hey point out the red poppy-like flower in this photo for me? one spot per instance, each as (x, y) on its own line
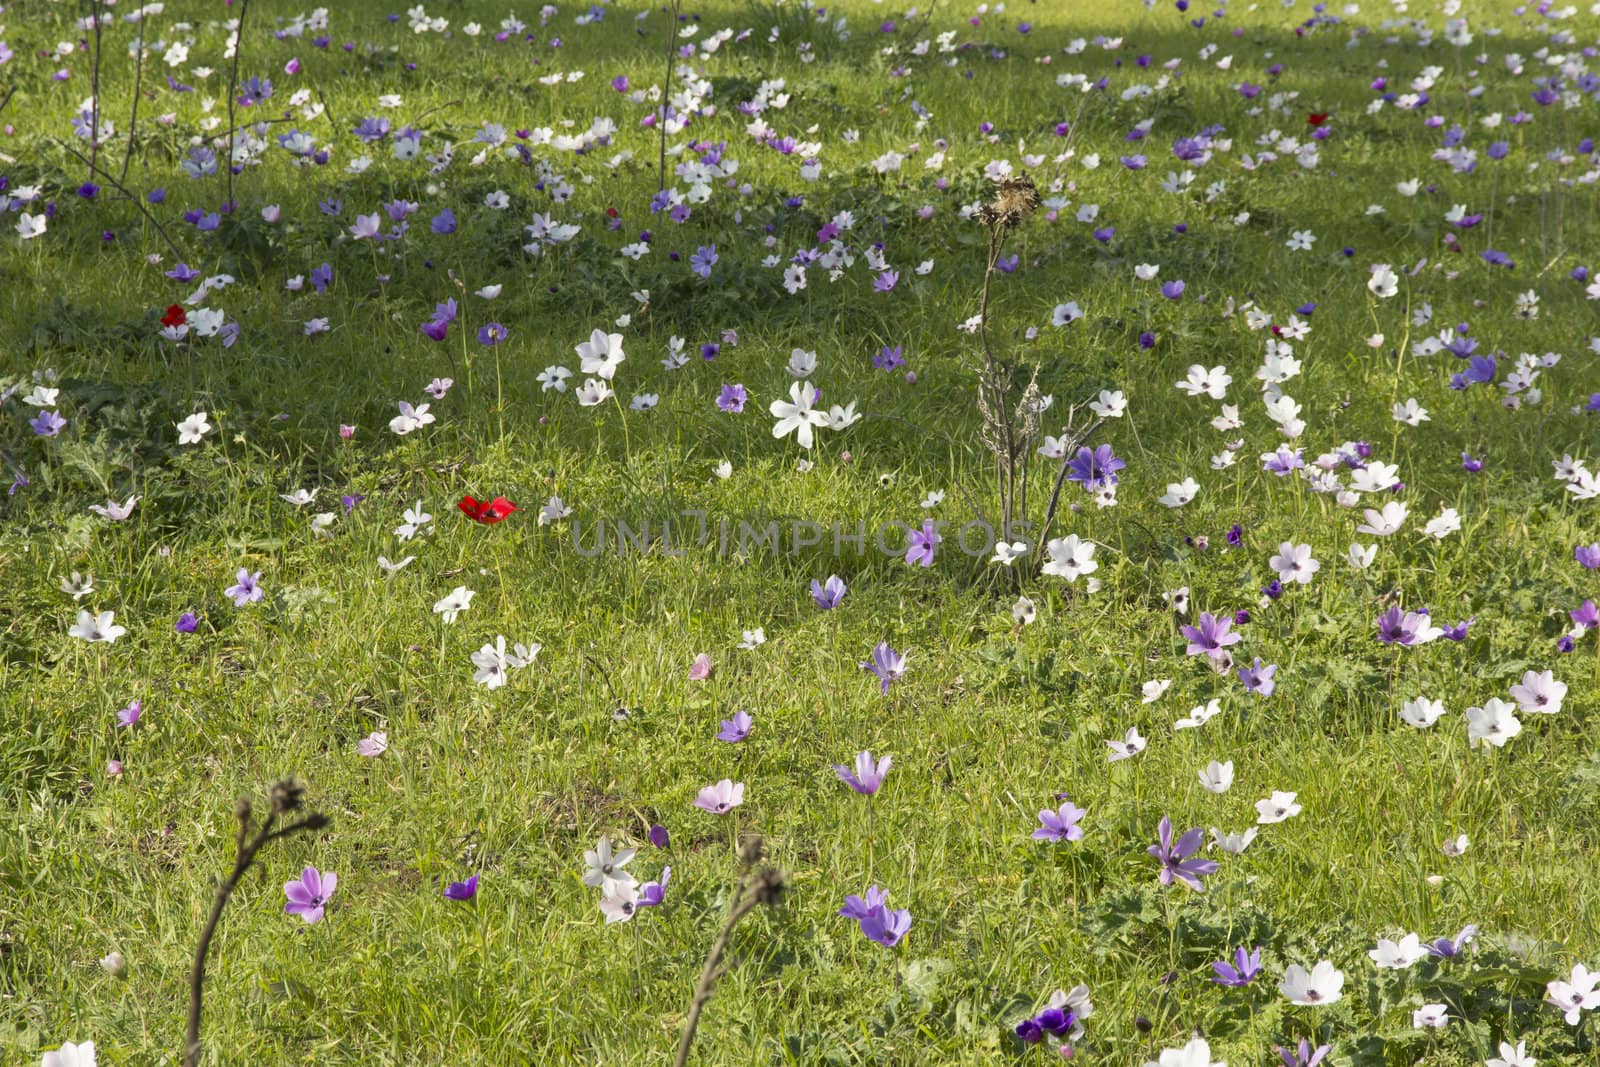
(486, 511)
(1317, 118)
(175, 316)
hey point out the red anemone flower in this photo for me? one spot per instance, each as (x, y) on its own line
(175, 316)
(1317, 118)
(487, 512)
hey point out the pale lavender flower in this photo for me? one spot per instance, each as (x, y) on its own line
(721, 798)
(737, 728)
(886, 663)
(1258, 679)
(828, 594)
(47, 423)
(1061, 824)
(309, 895)
(866, 778)
(921, 544)
(246, 590)
(1304, 1055)
(1210, 635)
(703, 259)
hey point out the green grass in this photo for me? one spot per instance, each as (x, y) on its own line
(990, 721)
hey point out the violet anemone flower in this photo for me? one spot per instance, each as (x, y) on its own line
(886, 663)
(737, 728)
(1210, 635)
(867, 778)
(1061, 824)
(1094, 468)
(828, 594)
(1244, 969)
(309, 895)
(1174, 856)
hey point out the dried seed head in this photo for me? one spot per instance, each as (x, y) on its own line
(768, 886)
(751, 850)
(1017, 194)
(1015, 198)
(287, 795)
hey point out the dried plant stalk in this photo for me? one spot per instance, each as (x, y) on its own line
(285, 797)
(755, 888)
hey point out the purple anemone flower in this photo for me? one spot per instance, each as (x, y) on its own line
(921, 544)
(857, 908)
(887, 664)
(828, 594)
(1258, 679)
(653, 893)
(1399, 627)
(1174, 856)
(1061, 824)
(737, 728)
(47, 423)
(462, 890)
(1056, 1021)
(1210, 635)
(1243, 970)
(1030, 1031)
(309, 896)
(867, 778)
(703, 260)
(1450, 947)
(1094, 468)
(1304, 1055)
(247, 590)
(886, 926)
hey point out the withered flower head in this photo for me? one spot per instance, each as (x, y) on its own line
(752, 850)
(287, 795)
(1015, 199)
(768, 887)
(1017, 193)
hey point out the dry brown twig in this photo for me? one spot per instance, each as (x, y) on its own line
(285, 797)
(756, 887)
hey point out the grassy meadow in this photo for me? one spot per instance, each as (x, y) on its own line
(516, 172)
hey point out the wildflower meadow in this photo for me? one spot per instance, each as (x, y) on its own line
(836, 532)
